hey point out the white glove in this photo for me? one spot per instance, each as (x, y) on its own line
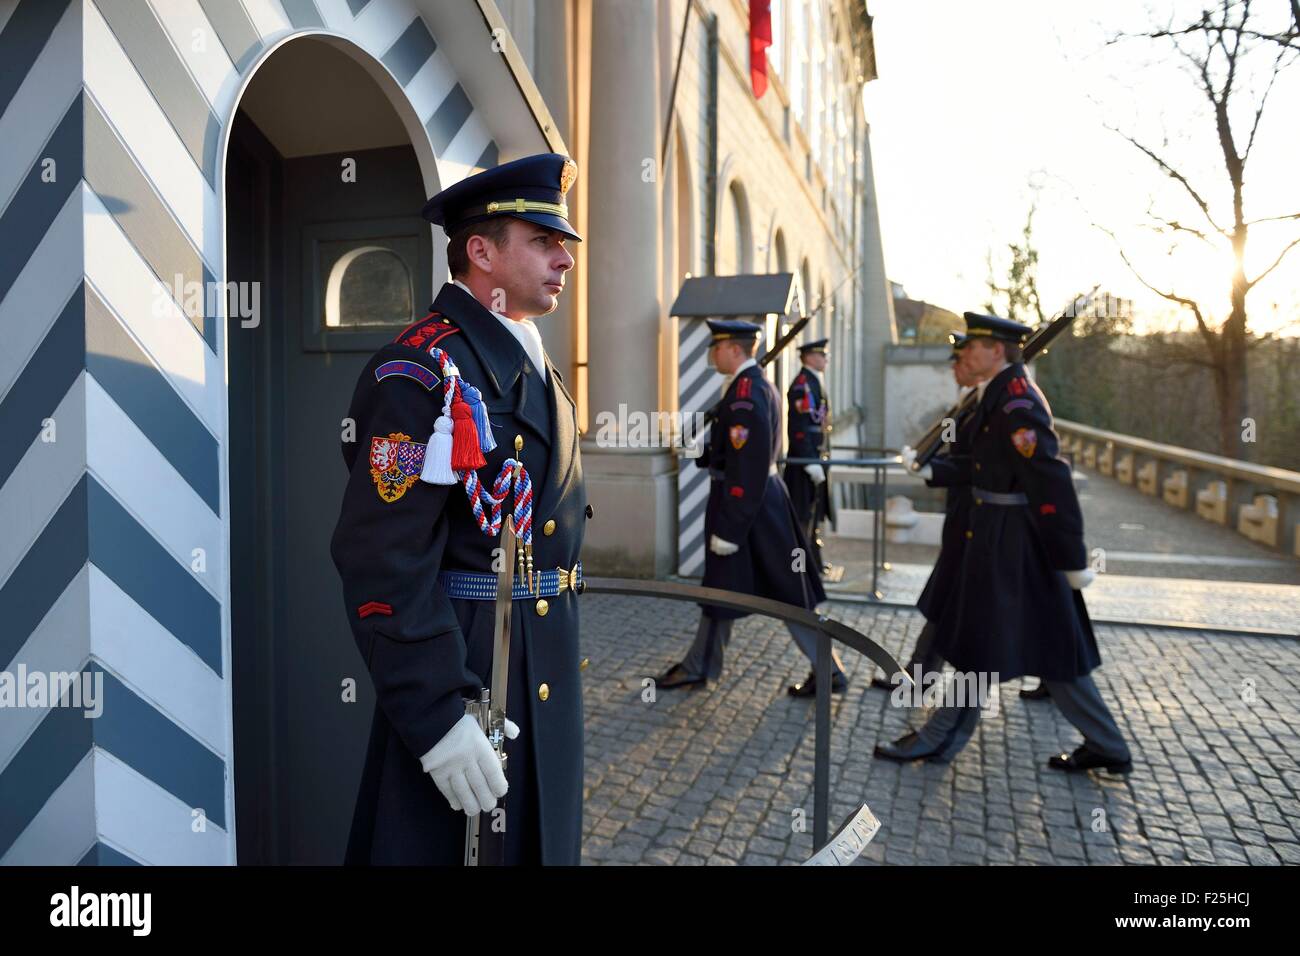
(691, 447)
(815, 473)
(908, 454)
(465, 768)
(1080, 579)
(722, 548)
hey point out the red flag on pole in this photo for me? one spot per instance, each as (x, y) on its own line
(760, 38)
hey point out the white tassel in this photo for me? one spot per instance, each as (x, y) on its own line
(437, 456)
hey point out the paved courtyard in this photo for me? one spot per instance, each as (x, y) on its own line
(724, 775)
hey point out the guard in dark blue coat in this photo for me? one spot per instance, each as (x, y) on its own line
(1018, 609)
(949, 469)
(755, 544)
(808, 420)
(443, 415)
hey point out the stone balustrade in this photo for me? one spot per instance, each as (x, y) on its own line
(1261, 502)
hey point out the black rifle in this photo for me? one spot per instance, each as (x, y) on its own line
(1039, 339)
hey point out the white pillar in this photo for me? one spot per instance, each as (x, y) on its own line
(631, 489)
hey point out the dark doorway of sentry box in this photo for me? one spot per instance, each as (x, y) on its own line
(342, 262)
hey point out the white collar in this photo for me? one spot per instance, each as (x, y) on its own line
(525, 332)
(809, 370)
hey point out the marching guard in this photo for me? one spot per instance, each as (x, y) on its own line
(755, 542)
(949, 470)
(1018, 609)
(808, 436)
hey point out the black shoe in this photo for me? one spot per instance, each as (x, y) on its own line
(1038, 693)
(808, 687)
(678, 676)
(905, 749)
(1085, 759)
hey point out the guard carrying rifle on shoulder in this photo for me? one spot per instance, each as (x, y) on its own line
(1018, 609)
(808, 426)
(755, 543)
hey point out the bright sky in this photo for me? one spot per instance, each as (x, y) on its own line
(977, 103)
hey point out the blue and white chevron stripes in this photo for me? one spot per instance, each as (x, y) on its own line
(697, 391)
(113, 410)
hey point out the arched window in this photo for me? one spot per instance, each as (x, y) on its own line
(734, 241)
(817, 80)
(805, 287)
(780, 259)
(368, 285)
(822, 322)
(684, 247)
(798, 78)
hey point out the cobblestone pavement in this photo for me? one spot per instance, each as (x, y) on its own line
(721, 775)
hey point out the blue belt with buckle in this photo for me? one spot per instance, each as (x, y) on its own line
(1007, 498)
(480, 586)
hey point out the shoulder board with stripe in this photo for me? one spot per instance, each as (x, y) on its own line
(426, 332)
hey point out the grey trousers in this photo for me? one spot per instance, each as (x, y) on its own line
(1079, 701)
(705, 656)
(924, 654)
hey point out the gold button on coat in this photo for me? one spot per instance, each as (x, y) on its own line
(549, 527)
(585, 662)
(542, 607)
(970, 534)
(543, 692)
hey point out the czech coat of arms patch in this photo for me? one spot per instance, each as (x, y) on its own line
(739, 435)
(395, 464)
(1025, 440)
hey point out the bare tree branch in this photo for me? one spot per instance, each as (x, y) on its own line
(1288, 40)
(1256, 222)
(1174, 175)
(1207, 333)
(1236, 48)
(1215, 53)
(1276, 262)
(1254, 126)
(1176, 226)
